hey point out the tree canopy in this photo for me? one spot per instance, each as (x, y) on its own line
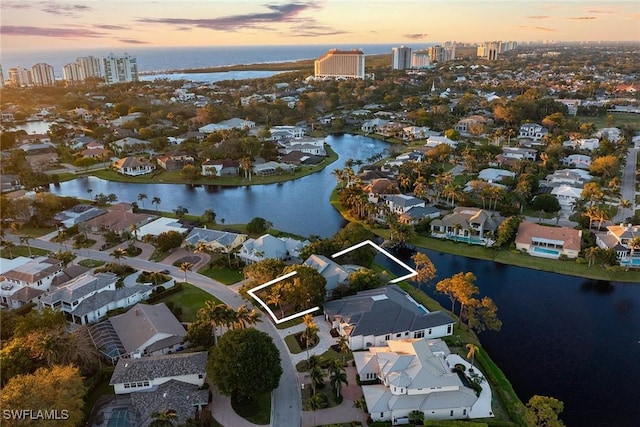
(245, 362)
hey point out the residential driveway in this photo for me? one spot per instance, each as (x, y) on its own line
(222, 411)
(628, 187)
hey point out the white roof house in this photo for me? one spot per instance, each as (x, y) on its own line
(268, 246)
(414, 375)
(574, 177)
(161, 225)
(495, 175)
(566, 195)
(580, 161)
(583, 144)
(234, 123)
(434, 141)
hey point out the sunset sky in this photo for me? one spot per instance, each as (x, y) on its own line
(49, 24)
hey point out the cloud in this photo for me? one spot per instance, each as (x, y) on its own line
(544, 29)
(281, 13)
(110, 27)
(50, 7)
(582, 18)
(25, 30)
(315, 31)
(601, 11)
(415, 36)
(132, 41)
(538, 17)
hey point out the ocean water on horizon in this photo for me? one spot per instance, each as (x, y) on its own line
(159, 59)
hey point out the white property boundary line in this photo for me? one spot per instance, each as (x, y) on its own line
(252, 291)
(411, 273)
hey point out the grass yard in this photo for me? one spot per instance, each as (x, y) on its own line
(190, 299)
(36, 231)
(259, 412)
(91, 263)
(620, 120)
(21, 251)
(226, 275)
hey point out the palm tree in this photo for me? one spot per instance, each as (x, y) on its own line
(591, 254)
(343, 345)
(180, 211)
(244, 316)
(275, 298)
(141, 198)
(634, 244)
(473, 349)
(209, 216)
(25, 239)
(315, 402)
(118, 254)
(338, 376)
(156, 201)
(166, 418)
(213, 314)
(185, 266)
(9, 245)
(316, 374)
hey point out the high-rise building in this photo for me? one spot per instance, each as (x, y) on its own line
(420, 59)
(491, 50)
(401, 58)
(120, 69)
(91, 66)
(42, 75)
(19, 77)
(340, 64)
(73, 73)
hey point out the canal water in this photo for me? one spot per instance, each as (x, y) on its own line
(566, 337)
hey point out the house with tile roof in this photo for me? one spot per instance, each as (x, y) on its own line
(187, 400)
(88, 298)
(619, 237)
(334, 273)
(471, 225)
(413, 375)
(133, 166)
(188, 368)
(215, 240)
(373, 317)
(34, 276)
(118, 218)
(548, 242)
(144, 330)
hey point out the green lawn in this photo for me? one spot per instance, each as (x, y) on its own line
(91, 263)
(257, 413)
(190, 299)
(21, 251)
(228, 276)
(36, 231)
(620, 120)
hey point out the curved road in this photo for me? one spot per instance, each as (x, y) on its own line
(286, 407)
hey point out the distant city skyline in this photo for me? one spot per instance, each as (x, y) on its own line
(117, 24)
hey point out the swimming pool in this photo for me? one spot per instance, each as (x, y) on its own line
(119, 418)
(466, 239)
(546, 251)
(630, 262)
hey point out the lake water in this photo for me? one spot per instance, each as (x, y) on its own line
(566, 337)
(299, 206)
(575, 339)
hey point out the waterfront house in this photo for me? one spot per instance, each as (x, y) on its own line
(373, 317)
(143, 330)
(379, 188)
(620, 237)
(434, 141)
(334, 273)
(373, 126)
(268, 246)
(467, 224)
(548, 242)
(118, 218)
(133, 166)
(401, 203)
(174, 162)
(413, 375)
(128, 144)
(215, 240)
(220, 167)
(160, 225)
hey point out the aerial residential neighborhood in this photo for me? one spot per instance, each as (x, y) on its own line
(184, 252)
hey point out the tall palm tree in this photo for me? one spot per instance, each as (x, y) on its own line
(343, 345)
(591, 254)
(244, 316)
(213, 314)
(156, 201)
(141, 198)
(310, 335)
(337, 376)
(185, 266)
(473, 349)
(118, 254)
(316, 374)
(275, 298)
(9, 246)
(25, 239)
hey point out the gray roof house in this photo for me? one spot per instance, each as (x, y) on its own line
(158, 383)
(334, 273)
(401, 203)
(467, 224)
(88, 297)
(142, 330)
(371, 318)
(413, 375)
(214, 239)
